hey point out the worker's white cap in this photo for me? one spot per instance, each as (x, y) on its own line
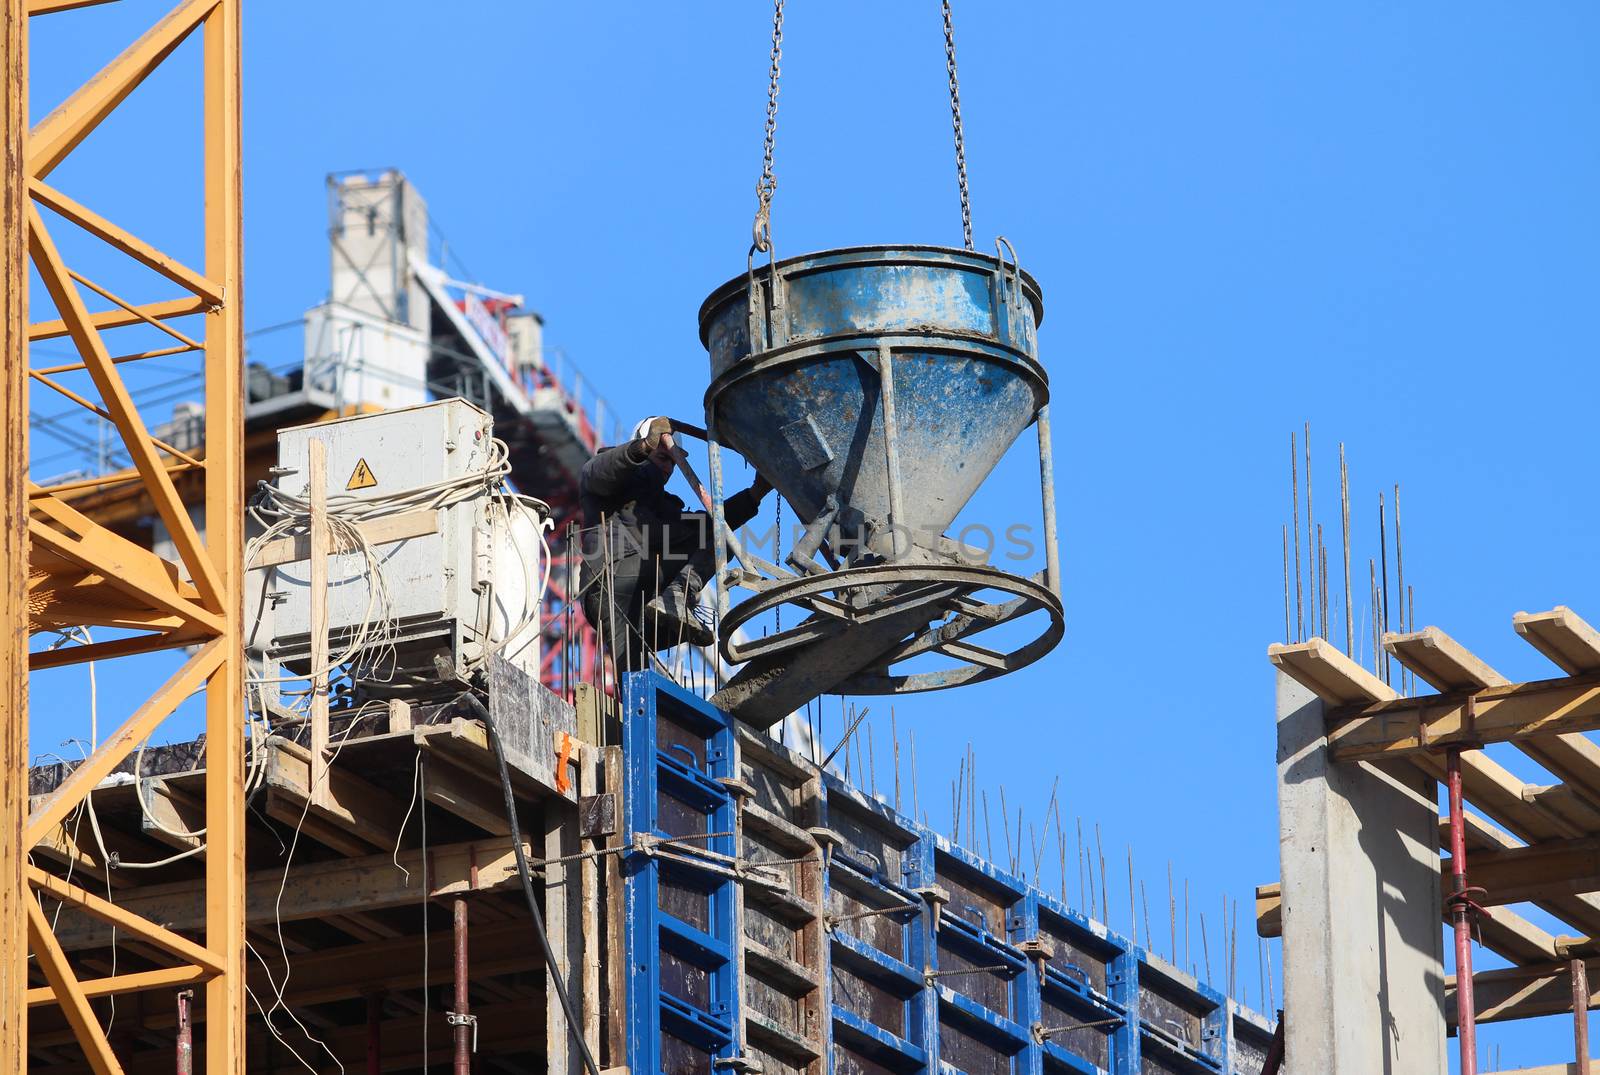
(644, 427)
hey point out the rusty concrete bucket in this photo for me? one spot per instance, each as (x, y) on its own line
(876, 388)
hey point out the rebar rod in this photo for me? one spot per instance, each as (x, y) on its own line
(1294, 503)
(1344, 509)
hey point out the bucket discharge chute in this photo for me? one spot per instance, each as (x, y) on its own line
(876, 388)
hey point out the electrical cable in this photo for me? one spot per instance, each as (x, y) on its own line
(280, 988)
(558, 982)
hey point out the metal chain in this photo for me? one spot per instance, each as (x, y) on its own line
(955, 122)
(761, 230)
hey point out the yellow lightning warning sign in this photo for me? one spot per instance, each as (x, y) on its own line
(361, 477)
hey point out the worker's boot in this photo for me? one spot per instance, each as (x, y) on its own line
(674, 615)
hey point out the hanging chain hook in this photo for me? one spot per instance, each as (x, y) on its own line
(761, 230)
(955, 122)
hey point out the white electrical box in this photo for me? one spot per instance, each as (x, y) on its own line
(447, 582)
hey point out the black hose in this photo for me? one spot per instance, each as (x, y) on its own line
(560, 984)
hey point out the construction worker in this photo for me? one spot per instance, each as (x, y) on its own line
(645, 558)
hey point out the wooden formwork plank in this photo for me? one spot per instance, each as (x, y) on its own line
(1582, 912)
(1323, 669)
(1503, 931)
(363, 811)
(1406, 727)
(589, 778)
(1450, 666)
(563, 920)
(1441, 661)
(1508, 993)
(318, 889)
(1563, 636)
(616, 961)
(464, 794)
(1562, 801)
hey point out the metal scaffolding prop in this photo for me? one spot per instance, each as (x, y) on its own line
(1526, 842)
(74, 573)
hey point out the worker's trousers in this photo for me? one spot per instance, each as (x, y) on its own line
(629, 633)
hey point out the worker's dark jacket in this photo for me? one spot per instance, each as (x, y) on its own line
(643, 522)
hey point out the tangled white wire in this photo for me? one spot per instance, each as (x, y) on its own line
(284, 514)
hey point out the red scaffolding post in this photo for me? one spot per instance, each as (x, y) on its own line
(1461, 918)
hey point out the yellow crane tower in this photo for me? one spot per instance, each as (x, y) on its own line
(66, 575)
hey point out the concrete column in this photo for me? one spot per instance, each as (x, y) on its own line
(1363, 946)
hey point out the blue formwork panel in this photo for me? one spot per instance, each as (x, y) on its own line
(679, 887)
(842, 937)
(1249, 1040)
(1081, 975)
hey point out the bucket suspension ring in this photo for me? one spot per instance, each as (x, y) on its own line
(955, 599)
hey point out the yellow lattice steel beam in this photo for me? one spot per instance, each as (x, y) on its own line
(14, 898)
(68, 571)
(224, 514)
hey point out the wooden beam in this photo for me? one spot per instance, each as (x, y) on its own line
(1503, 931)
(388, 529)
(329, 975)
(1542, 870)
(1269, 909)
(1441, 661)
(503, 1029)
(1449, 666)
(363, 927)
(1406, 727)
(293, 814)
(163, 804)
(61, 844)
(357, 807)
(1581, 912)
(616, 981)
(1562, 801)
(563, 916)
(320, 545)
(1521, 992)
(465, 794)
(1323, 669)
(1563, 636)
(1493, 789)
(316, 889)
(594, 906)
(467, 742)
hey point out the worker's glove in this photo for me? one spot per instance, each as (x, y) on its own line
(650, 431)
(760, 487)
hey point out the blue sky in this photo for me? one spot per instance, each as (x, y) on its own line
(1378, 218)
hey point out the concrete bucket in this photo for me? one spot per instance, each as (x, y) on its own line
(877, 388)
(807, 408)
